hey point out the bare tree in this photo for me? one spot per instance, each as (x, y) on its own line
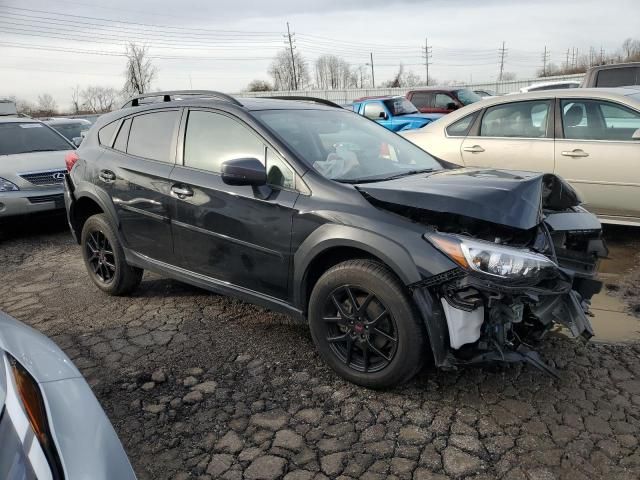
(46, 105)
(140, 72)
(412, 79)
(404, 79)
(259, 86)
(508, 76)
(282, 71)
(76, 101)
(97, 99)
(333, 72)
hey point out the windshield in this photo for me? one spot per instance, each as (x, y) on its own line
(71, 130)
(467, 97)
(346, 147)
(400, 106)
(28, 137)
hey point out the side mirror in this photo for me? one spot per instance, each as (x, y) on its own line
(244, 171)
(452, 106)
(636, 135)
(383, 115)
(77, 141)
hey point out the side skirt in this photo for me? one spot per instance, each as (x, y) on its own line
(213, 285)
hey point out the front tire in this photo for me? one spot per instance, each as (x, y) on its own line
(365, 326)
(104, 258)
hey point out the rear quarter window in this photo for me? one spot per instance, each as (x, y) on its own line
(618, 77)
(105, 134)
(461, 127)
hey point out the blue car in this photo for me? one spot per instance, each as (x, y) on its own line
(395, 113)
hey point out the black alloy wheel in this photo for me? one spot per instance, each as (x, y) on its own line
(360, 329)
(100, 256)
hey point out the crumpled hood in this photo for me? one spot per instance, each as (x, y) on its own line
(510, 198)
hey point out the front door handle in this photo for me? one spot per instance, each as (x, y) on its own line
(181, 191)
(575, 153)
(474, 149)
(107, 176)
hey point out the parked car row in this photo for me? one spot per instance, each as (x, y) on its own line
(591, 137)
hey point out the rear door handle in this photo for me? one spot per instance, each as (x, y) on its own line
(474, 149)
(181, 191)
(575, 153)
(107, 176)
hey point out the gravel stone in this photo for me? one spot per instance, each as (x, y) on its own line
(159, 376)
(219, 464)
(193, 397)
(332, 464)
(272, 420)
(230, 443)
(458, 463)
(206, 387)
(267, 467)
(288, 439)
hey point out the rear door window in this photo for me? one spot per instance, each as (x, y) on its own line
(27, 137)
(421, 99)
(123, 136)
(598, 120)
(442, 100)
(105, 134)
(518, 119)
(618, 77)
(152, 135)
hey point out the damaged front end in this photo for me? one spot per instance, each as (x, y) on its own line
(503, 299)
(513, 282)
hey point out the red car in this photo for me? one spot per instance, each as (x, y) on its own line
(441, 99)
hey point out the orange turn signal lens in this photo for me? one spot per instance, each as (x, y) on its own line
(450, 247)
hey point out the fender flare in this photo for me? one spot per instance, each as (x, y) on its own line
(327, 236)
(99, 197)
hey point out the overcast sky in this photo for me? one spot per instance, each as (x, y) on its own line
(51, 46)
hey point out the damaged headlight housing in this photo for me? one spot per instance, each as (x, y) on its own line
(492, 259)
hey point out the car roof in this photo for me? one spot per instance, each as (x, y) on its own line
(614, 65)
(444, 89)
(67, 121)
(553, 82)
(16, 119)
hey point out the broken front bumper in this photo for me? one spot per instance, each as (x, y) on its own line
(473, 320)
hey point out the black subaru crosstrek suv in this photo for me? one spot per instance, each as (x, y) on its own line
(392, 256)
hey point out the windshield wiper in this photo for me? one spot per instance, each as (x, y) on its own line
(408, 172)
(382, 179)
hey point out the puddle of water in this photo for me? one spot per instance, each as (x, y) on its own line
(611, 322)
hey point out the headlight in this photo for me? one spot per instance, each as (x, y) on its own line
(491, 259)
(7, 186)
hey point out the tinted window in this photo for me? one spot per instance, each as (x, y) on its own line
(71, 130)
(105, 135)
(123, 136)
(279, 174)
(467, 97)
(618, 77)
(519, 119)
(212, 138)
(373, 110)
(28, 137)
(420, 99)
(597, 120)
(461, 127)
(442, 100)
(152, 135)
(400, 106)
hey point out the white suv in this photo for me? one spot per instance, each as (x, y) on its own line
(32, 166)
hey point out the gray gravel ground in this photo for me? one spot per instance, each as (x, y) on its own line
(202, 386)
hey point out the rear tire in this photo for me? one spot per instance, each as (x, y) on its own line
(365, 326)
(104, 258)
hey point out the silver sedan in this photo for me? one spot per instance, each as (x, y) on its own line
(51, 424)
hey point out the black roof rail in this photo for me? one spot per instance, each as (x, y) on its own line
(322, 101)
(169, 96)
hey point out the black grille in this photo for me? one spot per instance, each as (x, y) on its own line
(45, 178)
(58, 198)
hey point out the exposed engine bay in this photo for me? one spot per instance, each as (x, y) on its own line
(513, 284)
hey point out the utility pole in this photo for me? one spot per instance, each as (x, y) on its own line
(566, 63)
(427, 57)
(545, 59)
(373, 77)
(601, 55)
(502, 51)
(293, 61)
